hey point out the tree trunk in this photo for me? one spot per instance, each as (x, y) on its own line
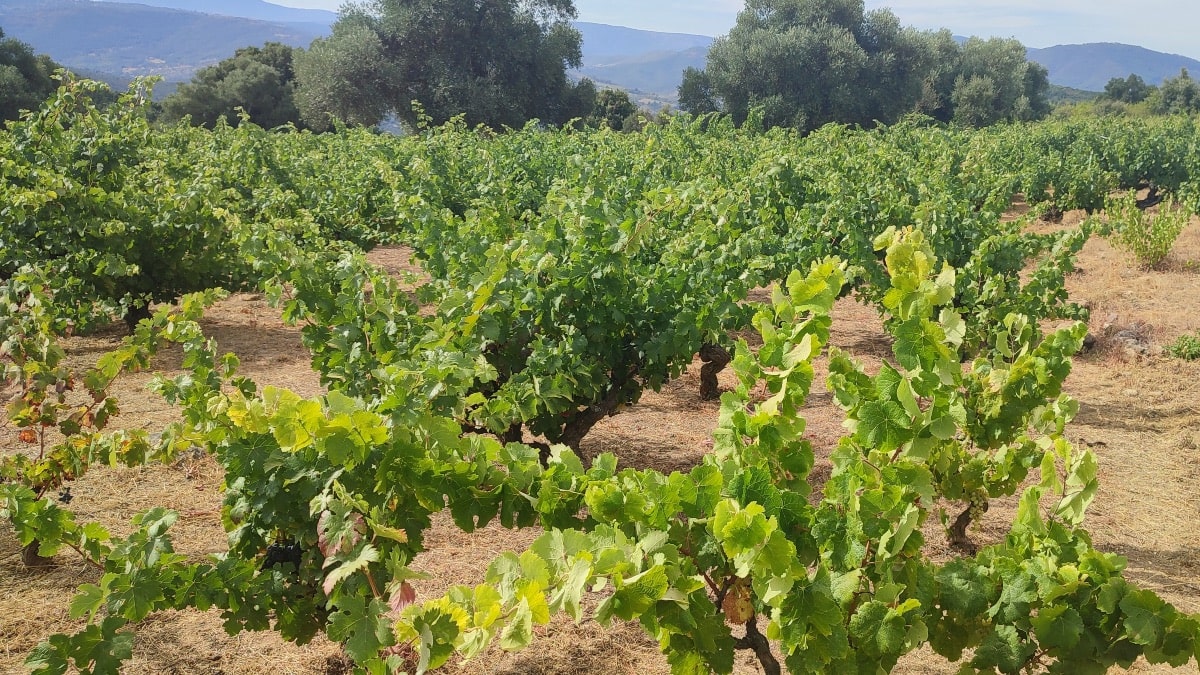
(761, 646)
(1152, 198)
(958, 530)
(29, 556)
(136, 314)
(715, 358)
(579, 426)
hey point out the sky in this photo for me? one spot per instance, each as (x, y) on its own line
(1164, 25)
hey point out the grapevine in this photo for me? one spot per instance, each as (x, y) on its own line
(568, 273)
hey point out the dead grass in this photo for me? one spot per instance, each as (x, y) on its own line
(1140, 415)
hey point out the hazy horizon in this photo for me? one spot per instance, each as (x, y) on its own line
(1161, 25)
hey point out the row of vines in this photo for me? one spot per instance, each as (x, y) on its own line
(565, 274)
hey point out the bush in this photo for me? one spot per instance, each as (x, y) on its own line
(1149, 237)
(1187, 347)
(119, 215)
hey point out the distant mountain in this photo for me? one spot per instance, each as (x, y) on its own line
(1091, 66)
(603, 43)
(127, 40)
(247, 9)
(174, 38)
(652, 72)
(640, 60)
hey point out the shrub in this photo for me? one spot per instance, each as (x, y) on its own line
(1149, 237)
(1187, 347)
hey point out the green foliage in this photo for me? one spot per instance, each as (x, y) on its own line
(696, 93)
(1149, 237)
(386, 54)
(829, 62)
(259, 81)
(802, 63)
(26, 79)
(345, 77)
(613, 109)
(1186, 347)
(1132, 89)
(1178, 95)
(116, 212)
(996, 82)
(568, 271)
(842, 584)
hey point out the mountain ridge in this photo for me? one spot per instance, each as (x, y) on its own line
(245, 9)
(127, 40)
(174, 38)
(1091, 65)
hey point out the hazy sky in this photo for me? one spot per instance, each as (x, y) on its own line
(1171, 26)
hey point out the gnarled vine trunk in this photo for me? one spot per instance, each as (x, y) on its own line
(715, 358)
(957, 532)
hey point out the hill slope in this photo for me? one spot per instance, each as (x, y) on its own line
(174, 38)
(127, 40)
(1091, 66)
(654, 72)
(603, 43)
(247, 9)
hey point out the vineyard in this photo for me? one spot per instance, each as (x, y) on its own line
(695, 399)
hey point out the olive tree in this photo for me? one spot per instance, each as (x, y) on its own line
(804, 63)
(496, 62)
(260, 81)
(25, 78)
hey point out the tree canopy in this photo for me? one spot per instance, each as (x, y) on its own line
(1179, 95)
(260, 81)
(1132, 89)
(613, 108)
(804, 63)
(25, 77)
(996, 82)
(496, 62)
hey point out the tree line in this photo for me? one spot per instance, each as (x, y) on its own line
(1179, 95)
(797, 63)
(25, 77)
(502, 63)
(805, 63)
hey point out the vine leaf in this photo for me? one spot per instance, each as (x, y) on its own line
(363, 627)
(1057, 627)
(883, 425)
(366, 555)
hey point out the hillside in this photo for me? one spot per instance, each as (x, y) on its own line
(603, 43)
(1060, 94)
(1091, 66)
(174, 38)
(127, 40)
(247, 9)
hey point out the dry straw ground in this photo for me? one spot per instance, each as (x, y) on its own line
(1140, 414)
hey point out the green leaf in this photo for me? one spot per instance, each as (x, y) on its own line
(943, 428)
(1145, 619)
(1004, 650)
(883, 426)
(1057, 627)
(571, 589)
(519, 632)
(363, 627)
(634, 596)
(366, 555)
(88, 601)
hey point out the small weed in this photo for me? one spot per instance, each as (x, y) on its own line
(1149, 237)
(1187, 347)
